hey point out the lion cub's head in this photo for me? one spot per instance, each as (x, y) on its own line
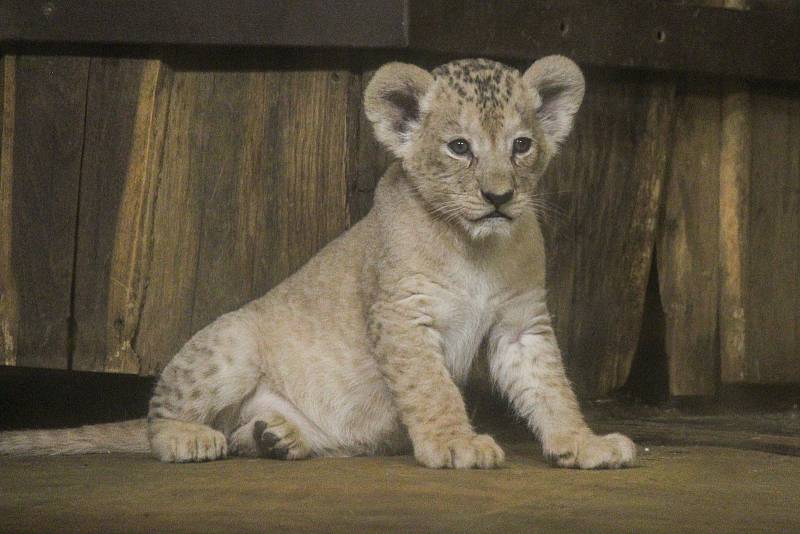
(475, 135)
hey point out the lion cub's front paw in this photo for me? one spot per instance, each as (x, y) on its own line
(590, 451)
(474, 450)
(176, 441)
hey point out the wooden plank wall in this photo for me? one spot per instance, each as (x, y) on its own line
(605, 186)
(158, 193)
(727, 252)
(178, 193)
(727, 246)
(686, 247)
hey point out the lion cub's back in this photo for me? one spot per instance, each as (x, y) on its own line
(323, 299)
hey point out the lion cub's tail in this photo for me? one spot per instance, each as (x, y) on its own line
(127, 436)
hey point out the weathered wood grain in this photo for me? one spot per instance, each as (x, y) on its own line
(606, 186)
(9, 316)
(734, 182)
(687, 242)
(117, 195)
(279, 190)
(771, 277)
(43, 119)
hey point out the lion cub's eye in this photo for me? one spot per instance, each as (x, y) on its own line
(522, 145)
(459, 146)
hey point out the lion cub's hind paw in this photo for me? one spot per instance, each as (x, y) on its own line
(279, 439)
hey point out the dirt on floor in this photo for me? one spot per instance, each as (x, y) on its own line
(673, 488)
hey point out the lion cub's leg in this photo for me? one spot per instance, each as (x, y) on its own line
(526, 364)
(216, 369)
(430, 405)
(270, 435)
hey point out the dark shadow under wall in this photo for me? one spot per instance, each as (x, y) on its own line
(648, 381)
(48, 398)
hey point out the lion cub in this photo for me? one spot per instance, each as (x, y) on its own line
(363, 349)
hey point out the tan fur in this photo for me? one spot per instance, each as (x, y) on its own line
(128, 436)
(363, 350)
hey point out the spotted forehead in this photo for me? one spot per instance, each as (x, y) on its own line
(487, 85)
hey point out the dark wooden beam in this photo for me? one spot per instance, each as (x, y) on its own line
(343, 23)
(648, 34)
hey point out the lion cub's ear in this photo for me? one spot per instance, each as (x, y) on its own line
(559, 85)
(392, 103)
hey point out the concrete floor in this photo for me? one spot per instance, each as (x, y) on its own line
(674, 488)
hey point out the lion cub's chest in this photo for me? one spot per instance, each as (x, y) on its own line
(467, 310)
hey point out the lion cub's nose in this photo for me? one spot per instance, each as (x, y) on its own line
(498, 200)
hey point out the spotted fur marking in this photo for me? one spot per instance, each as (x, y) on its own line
(486, 84)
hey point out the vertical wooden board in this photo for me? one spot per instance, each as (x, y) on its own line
(41, 168)
(225, 120)
(687, 243)
(170, 276)
(9, 317)
(772, 279)
(605, 187)
(734, 182)
(306, 159)
(276, 186)
(116, 195)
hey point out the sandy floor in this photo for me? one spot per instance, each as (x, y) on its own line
(673, 488)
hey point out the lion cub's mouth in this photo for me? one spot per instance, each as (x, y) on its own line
(496, 214)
